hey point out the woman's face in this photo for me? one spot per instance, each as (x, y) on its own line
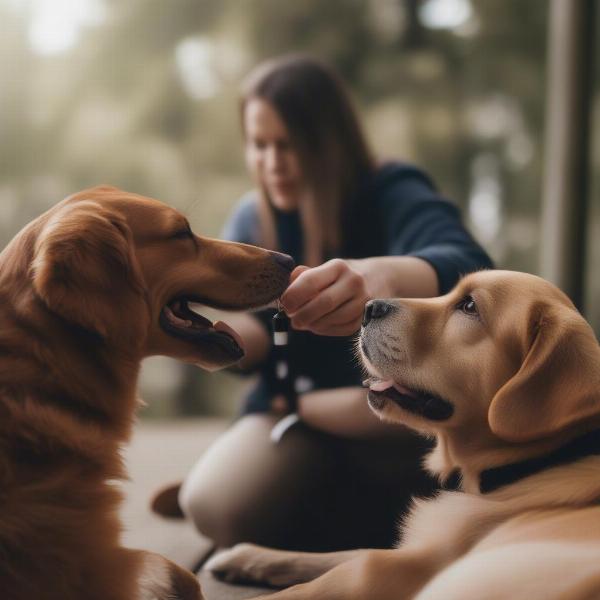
(270, 155)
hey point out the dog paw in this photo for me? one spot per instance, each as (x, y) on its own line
(242, 563)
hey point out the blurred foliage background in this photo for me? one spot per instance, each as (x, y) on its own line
(142, 94)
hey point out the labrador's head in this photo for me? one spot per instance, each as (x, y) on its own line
(125, 268)
(503, 352)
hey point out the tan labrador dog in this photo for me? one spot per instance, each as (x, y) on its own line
(505, 373)
(88, 290)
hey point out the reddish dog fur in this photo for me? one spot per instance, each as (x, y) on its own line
(84, 289)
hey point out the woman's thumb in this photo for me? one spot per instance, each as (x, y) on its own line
(297, 272)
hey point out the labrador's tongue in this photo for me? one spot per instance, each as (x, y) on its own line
(380, 386)
(223, 327)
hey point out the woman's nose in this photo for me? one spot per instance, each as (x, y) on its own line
(273, 159)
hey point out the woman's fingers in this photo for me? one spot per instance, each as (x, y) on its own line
(338, 306)
(296, 272)
(309, 282)
(346, 320)
(336, 303)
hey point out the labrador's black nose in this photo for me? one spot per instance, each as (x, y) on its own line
(287, 262)
(376, 309)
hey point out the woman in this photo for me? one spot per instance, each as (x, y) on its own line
(340, 478)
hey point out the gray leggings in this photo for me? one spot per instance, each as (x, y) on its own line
(312, 491)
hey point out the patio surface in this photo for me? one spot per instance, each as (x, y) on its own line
(161, 453)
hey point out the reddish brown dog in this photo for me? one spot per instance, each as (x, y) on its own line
(88, 290)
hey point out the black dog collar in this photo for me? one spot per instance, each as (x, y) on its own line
(586, 445)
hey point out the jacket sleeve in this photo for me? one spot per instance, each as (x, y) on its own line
(417, 221)
(242, 224)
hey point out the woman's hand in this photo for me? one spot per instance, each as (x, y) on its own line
(328, 299)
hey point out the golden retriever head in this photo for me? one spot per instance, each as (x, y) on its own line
(125, 267)
(503, 357)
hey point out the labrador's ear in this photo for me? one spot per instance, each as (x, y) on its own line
(558, 383)
(84, 267)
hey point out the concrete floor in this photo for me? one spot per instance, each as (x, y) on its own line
(162, 453)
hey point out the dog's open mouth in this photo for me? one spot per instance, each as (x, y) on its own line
(179, 320)
(419, 402)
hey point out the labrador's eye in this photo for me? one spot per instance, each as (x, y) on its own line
(468, 306)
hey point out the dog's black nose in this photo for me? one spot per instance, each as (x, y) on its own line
(376, 309)
(287, 262)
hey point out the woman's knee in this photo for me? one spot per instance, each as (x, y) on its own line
(226, 521)
(243, 485)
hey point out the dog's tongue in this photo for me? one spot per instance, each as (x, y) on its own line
(223, 327)
(382, 385)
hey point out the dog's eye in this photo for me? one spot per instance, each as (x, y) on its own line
(184, 234)
(468, 306)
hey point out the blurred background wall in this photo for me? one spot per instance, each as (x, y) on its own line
(142, 94)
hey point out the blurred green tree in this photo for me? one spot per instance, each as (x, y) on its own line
(146, 98)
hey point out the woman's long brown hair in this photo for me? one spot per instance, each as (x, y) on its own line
(335, 158)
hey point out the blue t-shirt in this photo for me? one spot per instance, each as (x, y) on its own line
(398, 213)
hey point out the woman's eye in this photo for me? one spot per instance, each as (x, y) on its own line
(468, 306)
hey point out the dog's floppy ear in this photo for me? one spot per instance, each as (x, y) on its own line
(558, 383)
(84, 263)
